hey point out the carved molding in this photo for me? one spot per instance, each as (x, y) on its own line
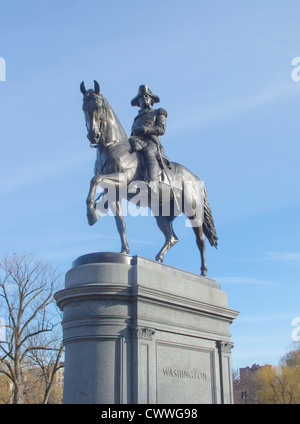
(144, 332)
(224, 346)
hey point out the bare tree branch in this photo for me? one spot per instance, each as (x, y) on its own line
(27, 286)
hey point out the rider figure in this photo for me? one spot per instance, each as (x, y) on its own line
(146, 130)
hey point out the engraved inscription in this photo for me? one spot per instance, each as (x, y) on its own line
(189, 374)
(185, 373)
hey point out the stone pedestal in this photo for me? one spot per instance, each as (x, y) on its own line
(137, 331)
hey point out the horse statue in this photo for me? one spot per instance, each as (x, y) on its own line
(119, 166)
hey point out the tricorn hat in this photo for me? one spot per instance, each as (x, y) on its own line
(144, 89)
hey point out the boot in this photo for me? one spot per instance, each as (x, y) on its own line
(152, 170)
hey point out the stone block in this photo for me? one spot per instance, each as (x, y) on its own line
(138, 331)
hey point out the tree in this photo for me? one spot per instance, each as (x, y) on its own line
(278, 386)
(46, 362)
(281, 385)
(5, 389)
(292, 358)
(236, 386)
(27, 285)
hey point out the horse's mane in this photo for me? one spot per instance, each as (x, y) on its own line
(118, 126)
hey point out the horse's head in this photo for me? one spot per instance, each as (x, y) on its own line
(94, 110)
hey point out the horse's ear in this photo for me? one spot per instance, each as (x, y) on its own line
(96, 87)
(82, 88)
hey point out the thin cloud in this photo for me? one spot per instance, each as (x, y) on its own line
(265, 318)
(283, 256)
(33, 173)
(226, 110)
(143, 242)
(243, 281)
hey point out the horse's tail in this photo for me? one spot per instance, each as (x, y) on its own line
(208, 223)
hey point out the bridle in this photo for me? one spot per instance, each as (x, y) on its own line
(102, 106)
(95, 145)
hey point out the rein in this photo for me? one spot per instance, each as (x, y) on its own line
(95, 145)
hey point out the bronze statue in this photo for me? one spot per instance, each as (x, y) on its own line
(120, 162)
(146, 130)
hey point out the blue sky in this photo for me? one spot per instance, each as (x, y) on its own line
(223, 73)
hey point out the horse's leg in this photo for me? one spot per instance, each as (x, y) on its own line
(165, 225)
(200, 240)
(92, 214)
(118, 214)
(193, 209)
(117, 178)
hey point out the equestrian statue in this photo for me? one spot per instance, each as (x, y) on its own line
(135, 164)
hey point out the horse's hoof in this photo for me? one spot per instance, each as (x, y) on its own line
(125, 251)
(92, 217)
(204, 272)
